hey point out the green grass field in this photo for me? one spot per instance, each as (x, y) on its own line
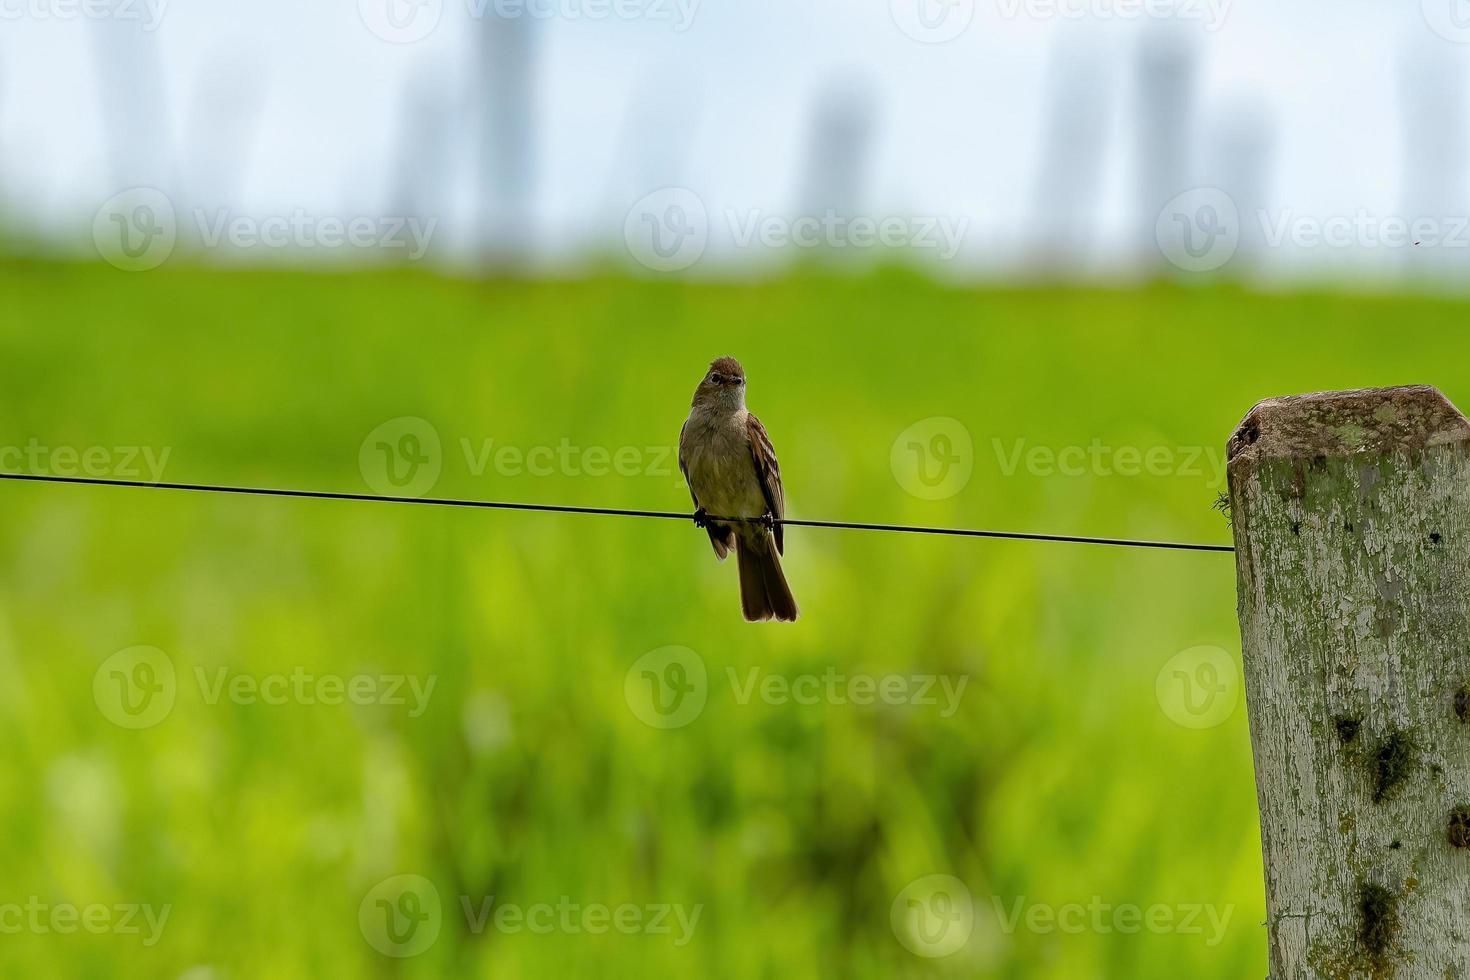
(1060, 790)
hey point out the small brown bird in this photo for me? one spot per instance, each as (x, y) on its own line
(731, 468)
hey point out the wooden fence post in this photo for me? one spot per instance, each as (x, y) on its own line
(1351, 513)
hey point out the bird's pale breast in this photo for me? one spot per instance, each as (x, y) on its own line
(721, 472)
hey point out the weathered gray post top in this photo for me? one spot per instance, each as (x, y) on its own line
(1351, 513)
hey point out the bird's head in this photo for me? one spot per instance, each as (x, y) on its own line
(723, 386)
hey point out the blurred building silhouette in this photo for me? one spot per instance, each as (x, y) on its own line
(136, 112)
(1126, 119)
(1240, 158)
(423, 176)
(653, 142)
(839, 148)
(1432, 107)
(505, 99)
(222, 126)
(1069, 167)
(1164, 88)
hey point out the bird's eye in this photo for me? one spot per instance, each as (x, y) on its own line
(714, 379)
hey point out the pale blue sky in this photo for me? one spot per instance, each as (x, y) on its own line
(275, 105)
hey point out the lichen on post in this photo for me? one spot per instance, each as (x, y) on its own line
(1351, 514)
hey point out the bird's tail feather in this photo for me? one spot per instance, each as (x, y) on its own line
(764, 593)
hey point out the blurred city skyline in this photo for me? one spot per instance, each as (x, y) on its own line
(1064, 138)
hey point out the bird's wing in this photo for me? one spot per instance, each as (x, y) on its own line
(684, 466)
(722, 538)
(768, 472)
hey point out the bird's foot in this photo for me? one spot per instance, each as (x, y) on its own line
(768, 521)
(701, 518)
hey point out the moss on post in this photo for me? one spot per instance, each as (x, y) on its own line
(1351, 515)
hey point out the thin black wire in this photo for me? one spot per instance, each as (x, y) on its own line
(610, 512)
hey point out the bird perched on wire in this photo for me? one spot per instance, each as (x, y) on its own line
(731, 469)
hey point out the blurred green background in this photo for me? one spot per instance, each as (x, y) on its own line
(1062, 778)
